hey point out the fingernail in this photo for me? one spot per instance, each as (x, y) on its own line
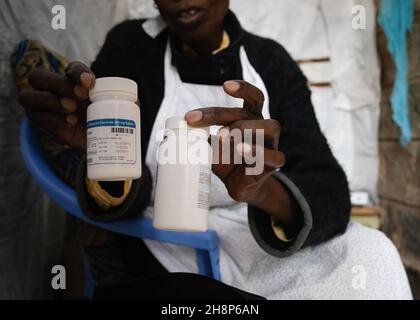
(193, 116)
(86, 79)
(68, 104)
(224, 132)
(244, 148)
(232, 85)
(80, 92)
(71, 119)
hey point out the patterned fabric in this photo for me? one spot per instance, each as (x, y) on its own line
(27, 56)
(31, 54)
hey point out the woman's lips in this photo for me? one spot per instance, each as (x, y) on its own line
(190, 16)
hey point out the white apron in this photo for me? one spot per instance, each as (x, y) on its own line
(182, 97)
(323, 272)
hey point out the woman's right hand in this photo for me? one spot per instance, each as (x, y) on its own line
(58, 103)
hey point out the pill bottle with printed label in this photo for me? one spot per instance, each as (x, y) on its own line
(182, 191)
(113, 131)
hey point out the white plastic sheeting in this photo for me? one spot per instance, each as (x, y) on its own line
(32, 229)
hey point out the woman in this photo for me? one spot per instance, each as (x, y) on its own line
(182, 61)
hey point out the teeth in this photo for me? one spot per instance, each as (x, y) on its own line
(188, 13)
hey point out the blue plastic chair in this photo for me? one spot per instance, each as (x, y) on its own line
(206, 243)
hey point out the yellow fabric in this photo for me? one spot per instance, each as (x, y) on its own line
(225, 43)
(102, 198)
(279, 232)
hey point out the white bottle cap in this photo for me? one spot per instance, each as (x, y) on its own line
(114, 86)
(175, 123)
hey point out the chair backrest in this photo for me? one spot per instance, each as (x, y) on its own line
(206, 243)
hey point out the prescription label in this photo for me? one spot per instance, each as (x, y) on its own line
(204, 187)
(111, 141)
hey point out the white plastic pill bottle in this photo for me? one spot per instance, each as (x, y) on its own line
(182, 193)
(113, 131)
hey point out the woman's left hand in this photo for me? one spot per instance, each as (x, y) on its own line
(249, 180)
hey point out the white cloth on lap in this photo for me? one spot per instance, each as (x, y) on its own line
(360, 264)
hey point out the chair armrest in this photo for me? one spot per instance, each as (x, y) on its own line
(65, 196)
